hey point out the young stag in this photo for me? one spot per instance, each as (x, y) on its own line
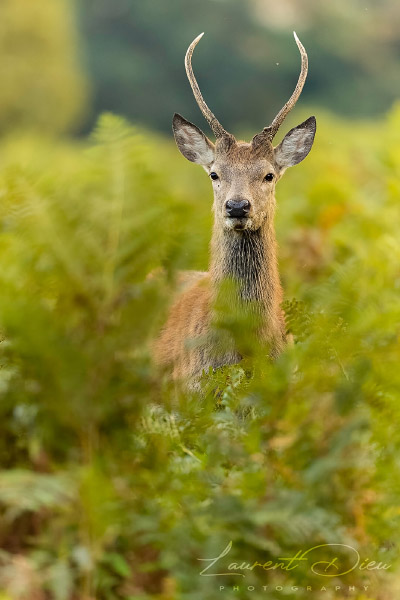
(243, 245)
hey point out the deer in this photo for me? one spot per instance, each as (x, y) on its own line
(243, 244)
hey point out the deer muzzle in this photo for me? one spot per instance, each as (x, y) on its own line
(237, 209)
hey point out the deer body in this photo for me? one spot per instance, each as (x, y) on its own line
(243, 245)
(187, 342)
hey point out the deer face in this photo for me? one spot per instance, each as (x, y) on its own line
(243, 175)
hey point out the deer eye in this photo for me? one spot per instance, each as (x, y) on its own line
(214, 176)
(269, 177)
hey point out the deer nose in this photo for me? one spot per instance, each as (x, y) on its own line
(237, 208)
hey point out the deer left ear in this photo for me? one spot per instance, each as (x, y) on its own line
(192, 142)
(296, 144)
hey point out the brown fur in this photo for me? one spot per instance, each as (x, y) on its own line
(249, 256)
(243, 249)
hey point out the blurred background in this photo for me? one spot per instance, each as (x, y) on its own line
(65, 62)
(113, 481)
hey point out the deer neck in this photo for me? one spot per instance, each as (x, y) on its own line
(250, 259)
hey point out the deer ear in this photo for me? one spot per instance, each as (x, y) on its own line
(192, 142)
(296, 144)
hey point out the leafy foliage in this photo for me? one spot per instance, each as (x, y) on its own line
(115, 481)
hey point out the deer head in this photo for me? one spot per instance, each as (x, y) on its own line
(244, 174)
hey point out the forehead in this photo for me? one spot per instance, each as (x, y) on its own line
(243, 159)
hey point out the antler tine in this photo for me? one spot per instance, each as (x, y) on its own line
(282, 114)
(215, 125)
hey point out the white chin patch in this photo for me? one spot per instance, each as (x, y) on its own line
(238, 224)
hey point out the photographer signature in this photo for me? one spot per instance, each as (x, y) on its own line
(324, 568)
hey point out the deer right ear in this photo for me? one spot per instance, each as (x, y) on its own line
(192, 142)
(296, 144)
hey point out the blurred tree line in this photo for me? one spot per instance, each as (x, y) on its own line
(64, 61)
(247, 64)
(42, 84)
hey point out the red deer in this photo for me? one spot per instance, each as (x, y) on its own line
(243, 245)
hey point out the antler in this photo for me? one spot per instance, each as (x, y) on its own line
(272, 129)
(215, 125)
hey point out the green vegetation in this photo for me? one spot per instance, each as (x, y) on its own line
(116, 482)
(42, 86)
